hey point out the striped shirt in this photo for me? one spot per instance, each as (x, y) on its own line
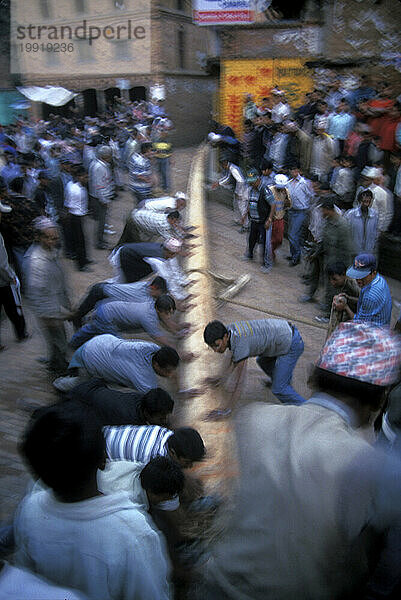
(375, 304)
(139, 166)
(137, 443)
(153, 223)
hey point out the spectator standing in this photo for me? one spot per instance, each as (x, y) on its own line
(340, 124)
(336, 246)
(259, 210)
(17, 226)
(363, 221)
(324, 150)
(9, 289)
(233, 178)
(300, 192)
(76, 202)
(140, 173)
(280, 201)
(48, 294)
(395, 226)
(101, 188)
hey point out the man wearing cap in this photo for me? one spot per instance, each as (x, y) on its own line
(301, 193)
(260, 210)
(281, 201)
(374, 304)
(101, 188)
(140, 173)
(48, 294)
(281, 110)
(382, 200)
(8, 282)
(308, 485)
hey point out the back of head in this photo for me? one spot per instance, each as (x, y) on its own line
(174, 214)
(145, 147)
(187, 443)
(162, 476)
(17, 185)
(160, 284)
(358, 361)
(157, 401)
(336, 268)
(104, 152)
(165, 303)
(215, 330)
(166, 357)
(64, 447)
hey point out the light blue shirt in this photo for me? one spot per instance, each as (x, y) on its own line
(120, 361)
(301, 192)
(340, 124)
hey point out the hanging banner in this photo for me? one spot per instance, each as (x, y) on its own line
(258, 77)
(222, 12)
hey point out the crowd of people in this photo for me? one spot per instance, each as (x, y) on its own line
(329, 170)
(316, 510)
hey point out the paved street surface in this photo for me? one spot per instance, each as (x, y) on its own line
(265, 296)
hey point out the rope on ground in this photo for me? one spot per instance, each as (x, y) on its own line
(277, 314)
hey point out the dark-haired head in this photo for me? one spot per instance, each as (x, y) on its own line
(162, 479)
(186, 446)
(358, 394)
(165, 304)
(158, 286)
(216, 336)
(64, 446)
(156, 405)
(165, 361)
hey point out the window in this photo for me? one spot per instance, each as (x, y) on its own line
(52, 59)
(180, 4)
(122, 50)
(85, 51)
(181, 49)
(80, 6)
(44, 9)
(119, 4)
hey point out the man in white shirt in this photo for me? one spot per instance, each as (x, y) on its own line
(76, 202)
(103, 545)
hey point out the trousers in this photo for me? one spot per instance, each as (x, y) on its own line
(296, 231)
(10, 308)
(281, 368)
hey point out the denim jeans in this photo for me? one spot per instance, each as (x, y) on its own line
(163, 166)
(281, 368)
(296, 224)
(268, 255)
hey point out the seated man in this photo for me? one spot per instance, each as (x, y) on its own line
(276, 343)
(139, 291)
(73, 534)
(140, 444)
(117, 317)
(113, 407)
(134, 364)
(374, 303)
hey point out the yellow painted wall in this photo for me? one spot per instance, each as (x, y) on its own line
(258, 77)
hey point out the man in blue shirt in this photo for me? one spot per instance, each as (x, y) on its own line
(301, 192)
(374, 304)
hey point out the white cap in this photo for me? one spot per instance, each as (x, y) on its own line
(173, 245)
(371, 172)
(181, 196)
(280, 180)
(4, 208)
(213, 137)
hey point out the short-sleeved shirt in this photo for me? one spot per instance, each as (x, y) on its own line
(263, 337)
(120, 361)
(375, 304)
(126, 316)
(128, 292)
(138, 443)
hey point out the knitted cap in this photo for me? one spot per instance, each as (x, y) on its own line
(363, 351)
